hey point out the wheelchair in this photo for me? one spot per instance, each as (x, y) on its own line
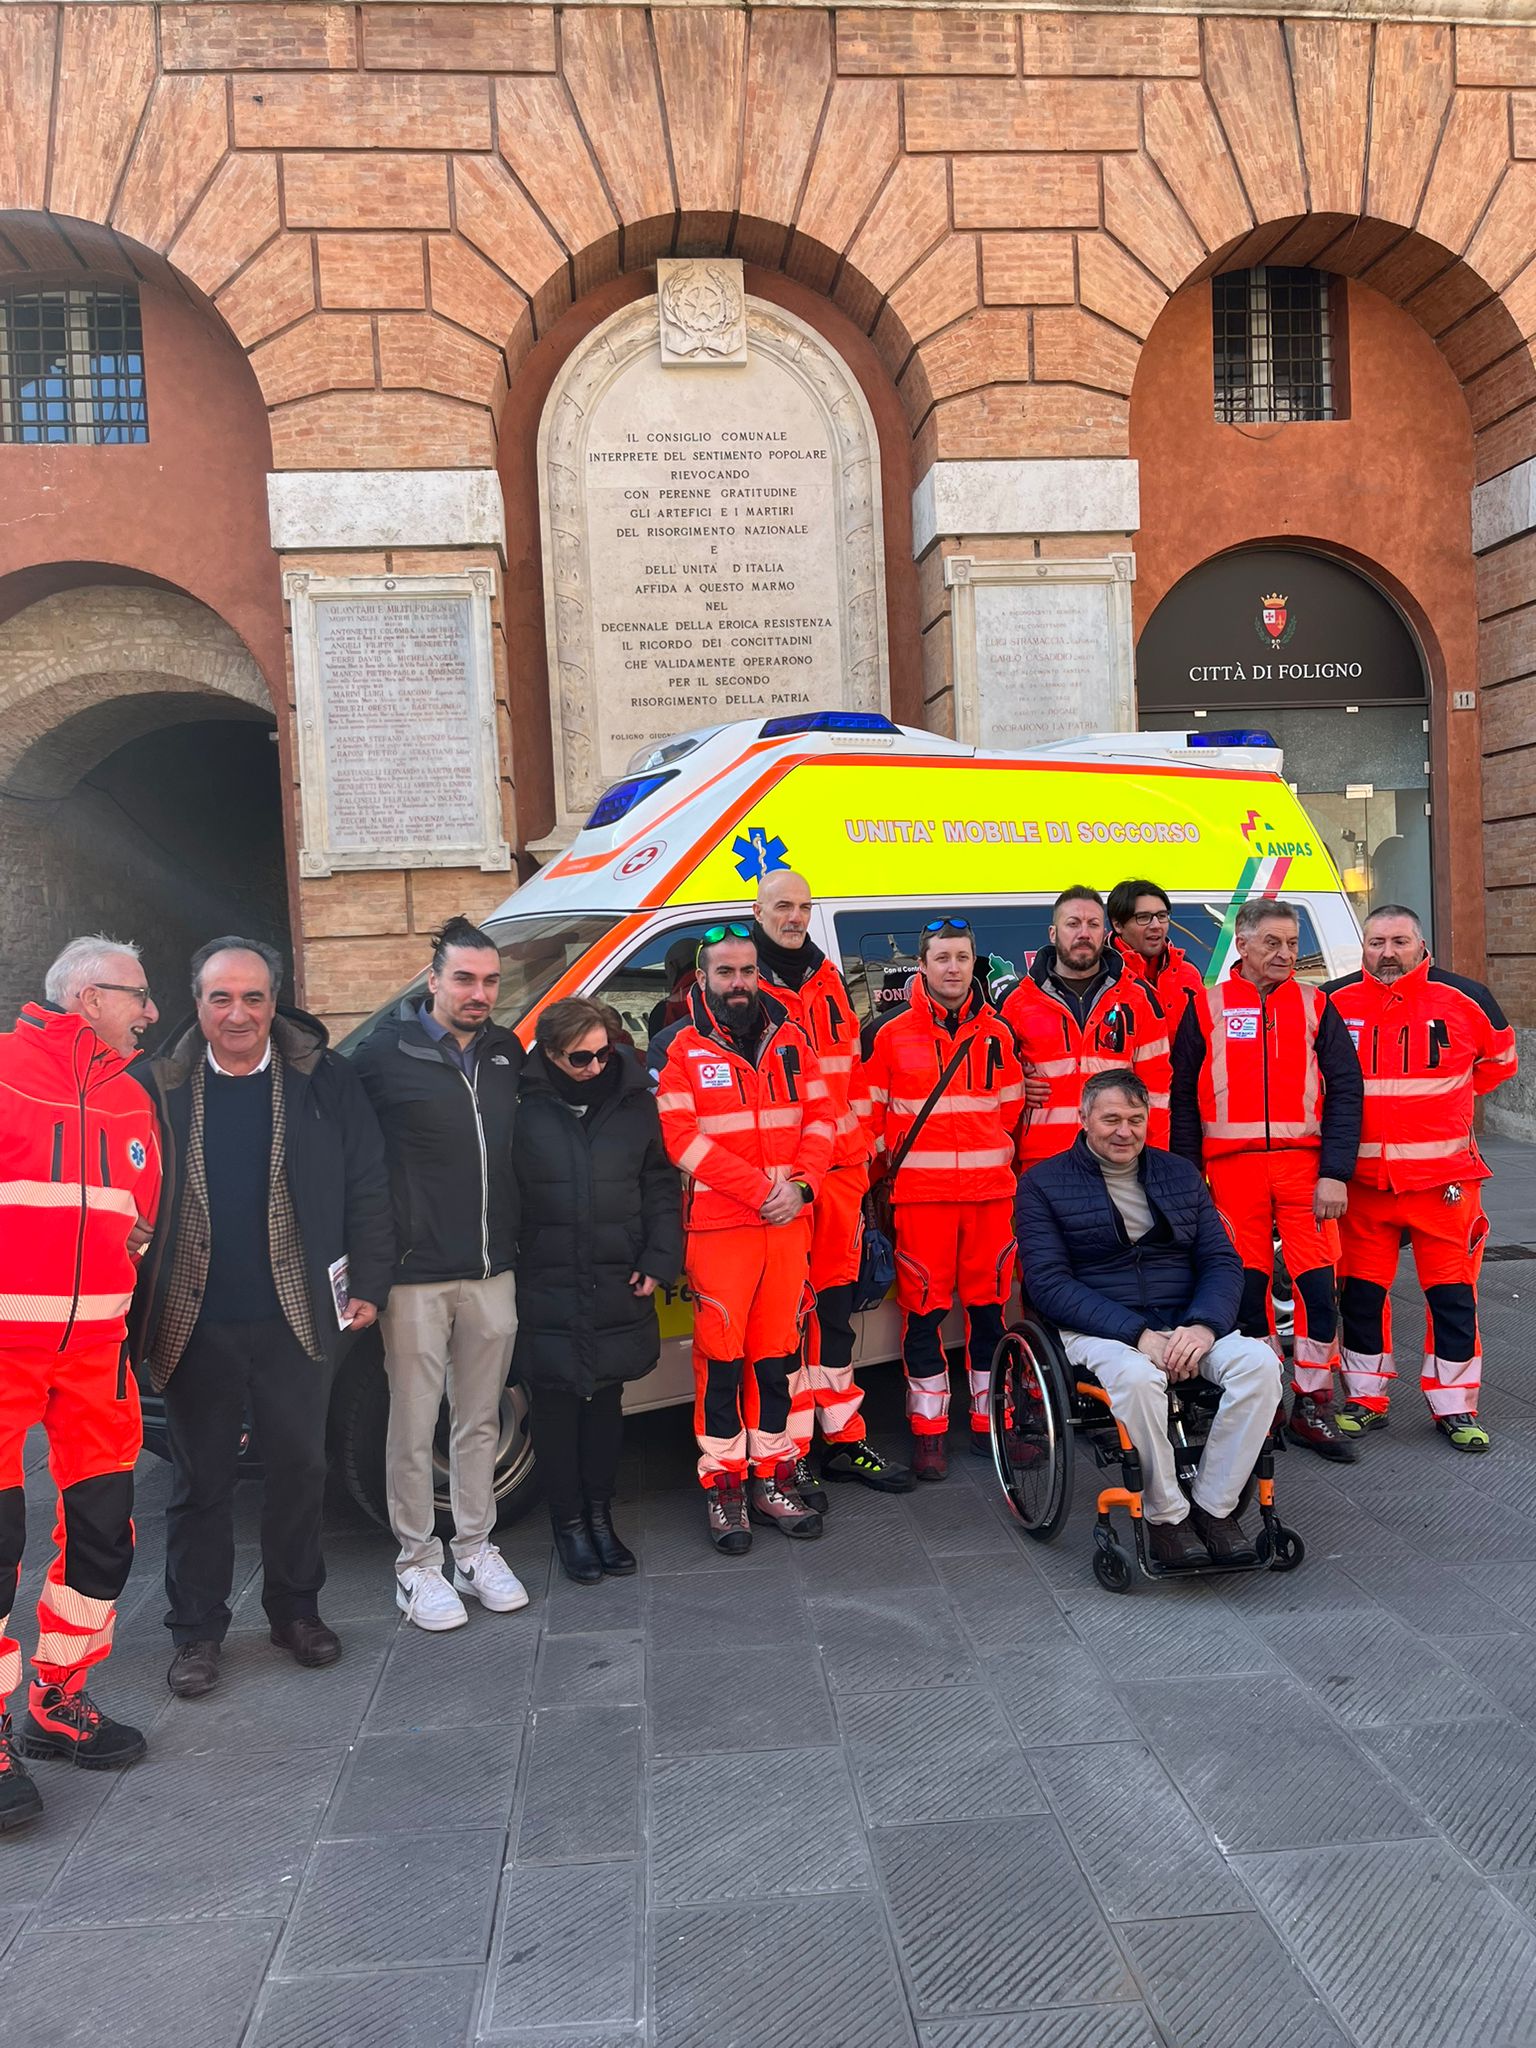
(1042, 1406)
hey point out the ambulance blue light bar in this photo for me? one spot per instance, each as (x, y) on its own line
(1234, 736)
(619, 801)
(827, 721)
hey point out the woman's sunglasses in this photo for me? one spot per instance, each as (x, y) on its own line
(582, 1059)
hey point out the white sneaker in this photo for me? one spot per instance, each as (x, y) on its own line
(425, 1597)
(491, 1580)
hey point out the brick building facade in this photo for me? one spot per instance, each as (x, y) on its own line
(365, 238)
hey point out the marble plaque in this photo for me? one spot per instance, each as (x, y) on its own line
(713, 546)
(397, 727)
(1042, 650)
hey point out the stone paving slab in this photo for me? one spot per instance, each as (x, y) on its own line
(922, 1784)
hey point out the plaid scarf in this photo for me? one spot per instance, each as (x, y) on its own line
(189, 1271)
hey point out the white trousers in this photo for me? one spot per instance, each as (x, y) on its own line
(1248, 1374)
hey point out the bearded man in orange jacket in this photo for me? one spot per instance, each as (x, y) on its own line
(1430, 1043)
(80, 1168)
(746, 1115)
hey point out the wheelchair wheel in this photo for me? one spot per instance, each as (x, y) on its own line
(1032, 1428)
(1282, 1550)
(1113, 1566)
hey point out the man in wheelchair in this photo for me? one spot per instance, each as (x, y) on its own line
(1122, 1248)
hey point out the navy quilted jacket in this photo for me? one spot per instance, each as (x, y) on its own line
(1081, 1270)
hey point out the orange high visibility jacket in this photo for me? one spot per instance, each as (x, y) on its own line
(822, 1009)
(726, 1120)
(1125, 1028)
(964, 1152)
(1266, 1073)
(1174, 983)
(79, 1166)
(1429, 1044)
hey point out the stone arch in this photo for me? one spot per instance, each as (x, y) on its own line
(85, 670)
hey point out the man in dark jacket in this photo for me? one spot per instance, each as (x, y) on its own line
(274, 1236)
(1122, 1247)
(442, 1077)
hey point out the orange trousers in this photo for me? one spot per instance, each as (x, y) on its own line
(88, 1403)
(1265, 1195)
(1447, 1238)
(823, 1388)
(749, 1287)
(947, 1251)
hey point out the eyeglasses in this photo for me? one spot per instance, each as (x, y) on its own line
(948, 924)
(583, 1059)
(121, 988)
(1149, 917)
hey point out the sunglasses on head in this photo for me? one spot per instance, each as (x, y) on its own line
(717, 932)
(583, 1059)
(948, 924)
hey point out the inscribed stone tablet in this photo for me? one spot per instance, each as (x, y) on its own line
(1043, 662)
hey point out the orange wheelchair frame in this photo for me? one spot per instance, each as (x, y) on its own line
(1040, 1404)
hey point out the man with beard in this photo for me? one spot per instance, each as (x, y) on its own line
(1430, 1043)
(816, 997)
(442, 1076)
(1080, 1011)
(747, 1116)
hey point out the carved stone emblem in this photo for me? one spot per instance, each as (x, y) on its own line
(703, 310)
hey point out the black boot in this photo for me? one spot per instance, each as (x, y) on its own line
(20, 1800)
(578, 1556)
(616, 1558)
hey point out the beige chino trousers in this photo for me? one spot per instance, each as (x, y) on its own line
(450, 1337)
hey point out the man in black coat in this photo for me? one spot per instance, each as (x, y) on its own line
(442, 1074)
(273, 1238)
(1121, 1247)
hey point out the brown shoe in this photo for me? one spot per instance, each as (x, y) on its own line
(775, 1504)
(194, 1670)
(1175, 1544)
(1312, 1423)
(307, 1640)
(930, 1458)
(1222, 1536)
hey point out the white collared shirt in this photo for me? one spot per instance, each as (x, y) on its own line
(266, 1061)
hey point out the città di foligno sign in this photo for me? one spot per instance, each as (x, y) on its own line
(1271, 627)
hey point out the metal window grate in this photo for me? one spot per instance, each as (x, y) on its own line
(72, 367)
(1273, 351)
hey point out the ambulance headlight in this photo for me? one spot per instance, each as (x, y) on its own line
(827, 721)
(619, 801)
(1234, 736)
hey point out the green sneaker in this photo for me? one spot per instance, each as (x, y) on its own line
(1465, 1432)
(1355, 1419)
(863, 1462)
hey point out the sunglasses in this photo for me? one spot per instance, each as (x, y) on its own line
(583, 1059)
(717, 932)
(948, 924)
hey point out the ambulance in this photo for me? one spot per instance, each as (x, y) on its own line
(891, 826)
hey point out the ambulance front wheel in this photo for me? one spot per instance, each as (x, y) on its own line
(359, 1423)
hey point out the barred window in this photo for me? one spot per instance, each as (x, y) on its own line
(1273, 349)
(72, 367)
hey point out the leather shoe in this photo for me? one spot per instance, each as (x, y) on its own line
(307, 1640)
(1176, 1544)
(194, 1670)
(1222, 1536)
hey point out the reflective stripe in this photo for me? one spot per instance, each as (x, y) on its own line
(53, 1648)
(817, 1089)
(10, 1672)
(963, 1162)
(695, 1155)
(1314, 1003)
(909, 1105)
(1313, 1351)
(881, 1095)
(1012, 1092)
(54, 1194)
(728, 1120)
(781, 1119)
(1416, 1084)
(1247, 1133)
(674, 1101)
(1058, 1113)
(836, 1062)
(1150, 1049)
(1050, 1070)
(48, 1308)
(1434, 1148)
(75, 1607)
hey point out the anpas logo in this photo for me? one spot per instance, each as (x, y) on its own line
(1274, 623)
(1260, 836)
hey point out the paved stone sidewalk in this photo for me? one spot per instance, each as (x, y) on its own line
(920, 1785)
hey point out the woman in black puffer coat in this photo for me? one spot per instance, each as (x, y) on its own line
(601, 1229)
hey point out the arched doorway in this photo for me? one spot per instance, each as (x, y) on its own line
(1307, 648)
(140, 790)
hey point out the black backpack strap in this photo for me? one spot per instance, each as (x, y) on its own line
(898, 1157)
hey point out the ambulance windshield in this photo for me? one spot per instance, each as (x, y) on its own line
(535, 952)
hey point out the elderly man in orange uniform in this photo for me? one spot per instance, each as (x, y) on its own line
(747, 1116)
(946, 1090)
(792, 967)
(1430, 1043)
(1266, 1096)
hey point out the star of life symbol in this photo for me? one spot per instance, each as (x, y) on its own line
(758, 855)
(136, 1153)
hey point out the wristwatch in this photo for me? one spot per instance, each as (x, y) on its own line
(805, 1192)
